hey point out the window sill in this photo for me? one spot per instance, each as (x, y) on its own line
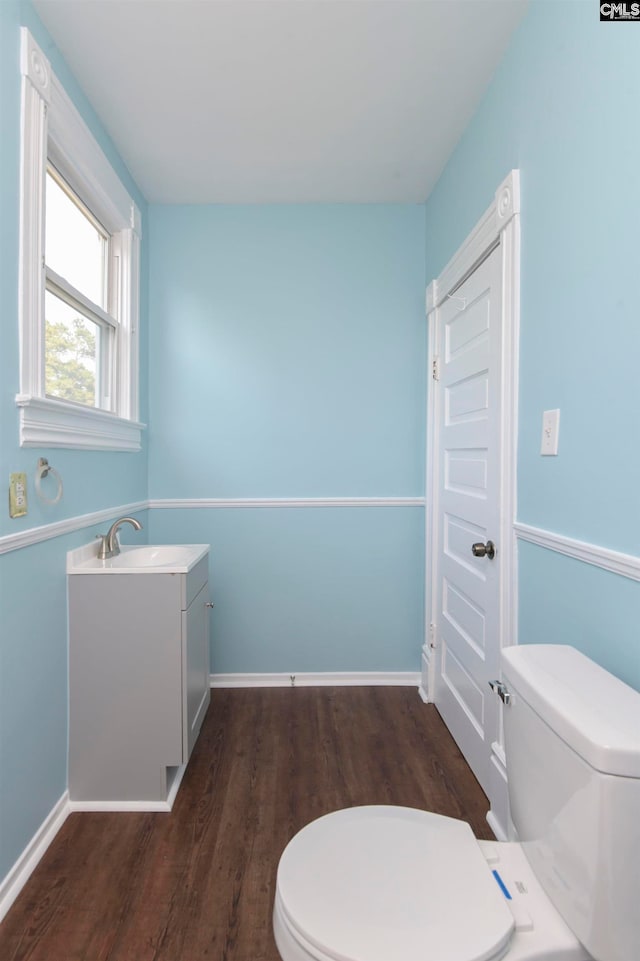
(54, 423)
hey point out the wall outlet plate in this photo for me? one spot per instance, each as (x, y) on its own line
(17, 495)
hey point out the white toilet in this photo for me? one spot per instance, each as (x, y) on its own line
(396, 884)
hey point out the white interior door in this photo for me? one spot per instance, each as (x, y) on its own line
(466, 588)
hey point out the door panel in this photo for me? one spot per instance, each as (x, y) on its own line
(464, 617)
(464, 689)
(467, 602)
(465, 471)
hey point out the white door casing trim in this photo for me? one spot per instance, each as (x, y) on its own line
(505, 207)
(500, 225)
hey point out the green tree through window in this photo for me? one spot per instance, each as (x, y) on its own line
(70, 356)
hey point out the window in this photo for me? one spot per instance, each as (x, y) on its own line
(79, 279)
(79, 332)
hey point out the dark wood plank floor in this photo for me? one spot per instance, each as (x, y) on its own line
(198, 883)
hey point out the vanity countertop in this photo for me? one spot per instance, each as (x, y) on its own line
(137, 559)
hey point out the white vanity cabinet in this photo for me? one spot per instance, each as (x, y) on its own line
(138, 679)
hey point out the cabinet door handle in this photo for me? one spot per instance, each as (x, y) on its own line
(501, 690)
(208, 604)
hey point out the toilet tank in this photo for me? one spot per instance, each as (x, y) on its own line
(572, 741)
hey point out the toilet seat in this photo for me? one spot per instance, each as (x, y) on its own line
(381, 883)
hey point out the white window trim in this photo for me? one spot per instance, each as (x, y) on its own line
(52, 128)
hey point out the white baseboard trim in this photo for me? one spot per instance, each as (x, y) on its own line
(113, 806)
(13, 883)
(177, 781)
(426, 675)
(15, 880)
(496, 827)
(133, 806)
(626, 565)
(216, 503)
(323, 679)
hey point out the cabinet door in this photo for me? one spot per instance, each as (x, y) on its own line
(195, 669)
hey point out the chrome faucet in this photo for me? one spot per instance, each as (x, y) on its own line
(109, 543)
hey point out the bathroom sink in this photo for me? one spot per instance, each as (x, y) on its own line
(153, 555)
(133, 559)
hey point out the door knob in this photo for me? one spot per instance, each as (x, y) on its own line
(480, 550)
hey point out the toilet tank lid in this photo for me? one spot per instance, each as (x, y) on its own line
(595, 713)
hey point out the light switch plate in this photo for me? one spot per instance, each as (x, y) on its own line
(17, 495)
(550, 432)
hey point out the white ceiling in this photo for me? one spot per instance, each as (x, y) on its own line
(283, 101)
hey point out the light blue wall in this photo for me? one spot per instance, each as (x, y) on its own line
(287, 351)
(598, 610)
(561, 107)
(33, 622)
(326, 589)
(287, 360)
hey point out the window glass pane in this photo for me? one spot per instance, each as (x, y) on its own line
(75, 246)
(71, 353)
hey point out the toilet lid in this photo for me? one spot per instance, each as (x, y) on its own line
(392, 884)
